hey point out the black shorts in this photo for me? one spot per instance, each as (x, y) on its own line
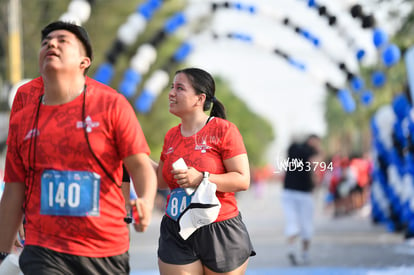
(36, 260)
(220, 246)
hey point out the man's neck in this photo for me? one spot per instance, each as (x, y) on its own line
(59, 91)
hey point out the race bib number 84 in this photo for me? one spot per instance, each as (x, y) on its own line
(70, 193)
(179, 201)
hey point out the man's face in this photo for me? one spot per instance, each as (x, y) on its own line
(61, 51)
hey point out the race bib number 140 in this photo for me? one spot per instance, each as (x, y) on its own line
(70, 193)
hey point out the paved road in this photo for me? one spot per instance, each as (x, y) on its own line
(347, 245)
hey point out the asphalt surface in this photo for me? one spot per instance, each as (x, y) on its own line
(346, 245)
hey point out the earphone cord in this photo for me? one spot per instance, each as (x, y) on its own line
(87, 139)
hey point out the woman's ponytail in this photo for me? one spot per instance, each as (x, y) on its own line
(218, 109)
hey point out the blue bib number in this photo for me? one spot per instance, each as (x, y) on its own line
(179, 201)
(70, 193)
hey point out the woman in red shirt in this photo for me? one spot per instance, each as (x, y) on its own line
(212, 148)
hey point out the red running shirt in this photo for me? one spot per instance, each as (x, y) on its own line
(205, 151)
(61, 145)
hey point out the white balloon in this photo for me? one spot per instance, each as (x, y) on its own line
(158, 81)
(385, 119)
(144, 58)
(395, 180)
(140, 65)
(268, 10)
(81, 8)
(193, 13)
(71, 18)
(408, 190)
(138, 22)
(126, 34)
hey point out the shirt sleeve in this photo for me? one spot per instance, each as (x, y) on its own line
(233, 144)
(14, 168)
(129, 134)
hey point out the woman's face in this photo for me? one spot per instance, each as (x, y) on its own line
(182, 96)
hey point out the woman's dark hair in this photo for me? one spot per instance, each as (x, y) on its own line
(203, 83)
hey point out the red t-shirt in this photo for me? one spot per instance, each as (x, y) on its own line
(30, 92)
(60, 143)
(205, 151)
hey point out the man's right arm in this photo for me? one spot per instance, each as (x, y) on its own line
(143, 176)
(11, 214)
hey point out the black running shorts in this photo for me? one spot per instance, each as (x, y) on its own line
(36, 260)
(220, 246)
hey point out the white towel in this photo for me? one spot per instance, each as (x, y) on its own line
(203, 209)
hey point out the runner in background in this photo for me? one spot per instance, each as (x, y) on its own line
(297, 199)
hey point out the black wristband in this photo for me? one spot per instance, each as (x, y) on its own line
(3, 255)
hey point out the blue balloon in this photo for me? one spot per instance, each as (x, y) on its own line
(390, 225)
(104, 73)
(242, 36)
(378, 79)
(367, 97)
(379, 38)
(146, 10)
(410, 227)
(238, 5)
(252, 9)
(401, 106)
(127, 88)
(357, 83)
(154, 4)
(316, 42)
(346, 100)
(174, 22)
(311, 3)
(391, 55)
(129, 83)
(374, 128)
(132, 75)
(297, 64)
(182, 52)
(144, 102)
(406, 214)
(360, 54)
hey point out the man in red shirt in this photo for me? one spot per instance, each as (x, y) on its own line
(64, 166)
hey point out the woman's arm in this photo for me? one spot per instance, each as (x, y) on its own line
(161, 182)
(237, 177)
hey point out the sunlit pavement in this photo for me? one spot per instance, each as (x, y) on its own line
(349, 245)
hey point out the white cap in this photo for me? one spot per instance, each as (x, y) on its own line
(203, 209)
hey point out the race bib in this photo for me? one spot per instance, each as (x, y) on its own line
(70, 193)
(179, 201)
